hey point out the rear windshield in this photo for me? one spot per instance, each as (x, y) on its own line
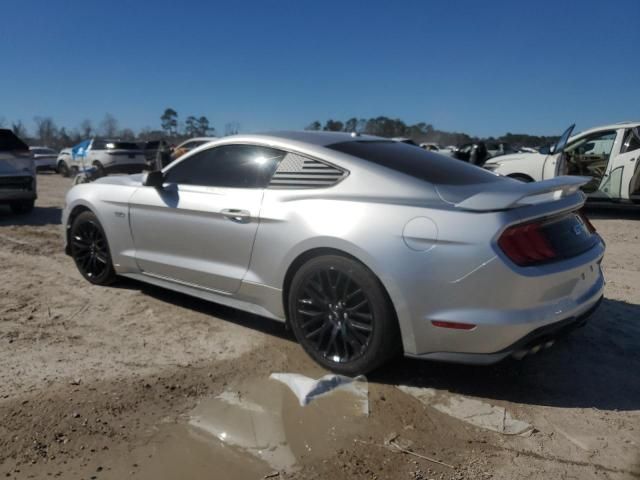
(417, 162)
(10, 142)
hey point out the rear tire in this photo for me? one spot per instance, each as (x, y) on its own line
(22, 207)
(342, 316)
(100, 171)
(63, 169)
(90, 249)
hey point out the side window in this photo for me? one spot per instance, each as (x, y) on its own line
(631, 140)
(596, 145)
(234, 166)
(98, 144)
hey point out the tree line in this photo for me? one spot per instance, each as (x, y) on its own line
(48, 133)
(423, 132)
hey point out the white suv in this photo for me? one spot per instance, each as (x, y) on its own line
(610, 155)
(107, 156)
(17, 173)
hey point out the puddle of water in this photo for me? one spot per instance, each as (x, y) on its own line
(249, 432)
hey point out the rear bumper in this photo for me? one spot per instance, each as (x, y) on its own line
(524, 331)
(21, 187)
(49, 163)
(507, 307)
(541, 337)
(8, 197)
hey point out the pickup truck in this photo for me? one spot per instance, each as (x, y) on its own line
(610, 155)
(17, 173)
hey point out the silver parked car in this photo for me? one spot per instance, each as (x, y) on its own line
(45, 158)
(365, 246)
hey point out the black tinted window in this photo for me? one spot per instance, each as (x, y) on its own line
(10, 142)
(417, 162)
(236, 166)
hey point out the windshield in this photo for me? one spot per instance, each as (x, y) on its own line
(417, 162)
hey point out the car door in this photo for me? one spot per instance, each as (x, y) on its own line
(199, 228)
(625, 166)
(554, 164)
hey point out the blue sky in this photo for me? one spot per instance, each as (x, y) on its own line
(476, 66)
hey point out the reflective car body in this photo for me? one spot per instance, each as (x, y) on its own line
(431, 238)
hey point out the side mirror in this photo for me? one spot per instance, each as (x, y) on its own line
(153, 179)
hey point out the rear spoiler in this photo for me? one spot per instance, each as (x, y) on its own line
(523, 193)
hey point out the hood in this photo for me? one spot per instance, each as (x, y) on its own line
(16, 165)
(514, 156)
(128, 180)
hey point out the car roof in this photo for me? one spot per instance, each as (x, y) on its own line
(321, 139)
(612, 126)
(200, 139)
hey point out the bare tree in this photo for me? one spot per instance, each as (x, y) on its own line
(19, 129)
(46, 130)
(231, 128)
(3, 122)
(109, 126)
(127, 134)
(86, 128)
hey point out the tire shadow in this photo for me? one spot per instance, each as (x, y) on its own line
(222, 312)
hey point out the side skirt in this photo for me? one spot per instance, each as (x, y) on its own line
(233, 301)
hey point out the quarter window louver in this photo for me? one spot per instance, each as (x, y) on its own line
(296, 171)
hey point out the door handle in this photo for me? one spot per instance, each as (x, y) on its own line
(237, 215)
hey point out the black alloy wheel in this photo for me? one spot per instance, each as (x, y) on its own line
(90, 250)
(341, 315)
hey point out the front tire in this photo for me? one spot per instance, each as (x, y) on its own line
(342, 316)
(90, 250)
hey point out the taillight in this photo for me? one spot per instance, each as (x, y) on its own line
(526, 244)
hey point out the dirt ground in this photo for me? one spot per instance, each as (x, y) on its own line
(95, 381)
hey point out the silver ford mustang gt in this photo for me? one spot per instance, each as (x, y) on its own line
(365, 246)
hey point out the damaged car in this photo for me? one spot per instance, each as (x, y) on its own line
(366, 247)
(610, 155)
